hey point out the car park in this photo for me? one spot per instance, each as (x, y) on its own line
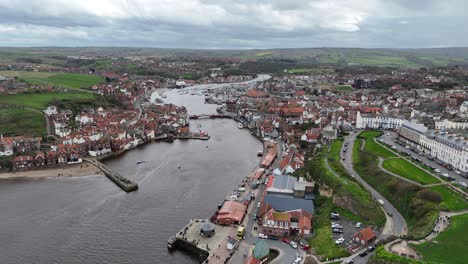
(263, 236)
(293, 244)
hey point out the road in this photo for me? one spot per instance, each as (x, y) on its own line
(389, 137)
(396, 224)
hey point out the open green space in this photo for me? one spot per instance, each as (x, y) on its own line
(349, 197)
(451, 200)
(373, 147)
(417, 205)
(39, 101)
(322, 241)
(382, 256)
(56, 79)
(343, 88)
(408, 170)
(450, 245)
(19, 121)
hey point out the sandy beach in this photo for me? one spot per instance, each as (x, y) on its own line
(84, 169)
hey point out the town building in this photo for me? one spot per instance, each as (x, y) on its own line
(365, 236)
(377, 121)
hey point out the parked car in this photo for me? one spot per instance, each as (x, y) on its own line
(437, 171)
(339, 241)
(263, 236)
(349, 261)
(272, 238)
(457, 172)
(258, 204)
(363, 254)
(463, 184)
(337, 230)
(389, 214)
(285, 240)
(293, 244)
(445, 175)
(381, 202)
(358, 225)
(370, 249)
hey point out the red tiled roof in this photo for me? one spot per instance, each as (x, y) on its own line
(366, 234)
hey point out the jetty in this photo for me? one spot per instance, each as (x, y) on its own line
(190, 239)
(124, 183)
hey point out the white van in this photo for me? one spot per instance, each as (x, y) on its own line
(381, 202)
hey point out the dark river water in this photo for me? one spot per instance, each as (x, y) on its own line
(90, 220)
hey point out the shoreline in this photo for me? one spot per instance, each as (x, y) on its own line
(77, 170)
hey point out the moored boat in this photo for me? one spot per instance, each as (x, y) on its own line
(240, 125)
(140, 161)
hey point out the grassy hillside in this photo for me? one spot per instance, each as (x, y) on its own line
(406, 58)
(41, 100)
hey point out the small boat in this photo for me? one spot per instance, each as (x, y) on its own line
(260, 153)
(140, 161)
(240, 125)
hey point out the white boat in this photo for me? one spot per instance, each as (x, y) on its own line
(140, 161)
(240, 125)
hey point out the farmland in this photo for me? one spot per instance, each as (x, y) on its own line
(61, 80)
(39, 101)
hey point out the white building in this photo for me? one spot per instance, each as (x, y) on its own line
(377, 121)
(451, 124)
(448, 148)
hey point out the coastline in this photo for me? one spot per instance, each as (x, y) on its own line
(77, 170)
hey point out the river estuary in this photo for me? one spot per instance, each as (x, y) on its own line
(90, 220)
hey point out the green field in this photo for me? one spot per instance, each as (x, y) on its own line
(450, 245)
(343, 88)
(17, 121)
(39, 101)
(451, 200)
(407, 170)
(373, 147)
(322, 241)
(56, 79)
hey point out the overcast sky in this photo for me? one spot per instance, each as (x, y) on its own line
(238, 24)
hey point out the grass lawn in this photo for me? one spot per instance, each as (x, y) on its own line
(450, 245)
(452, 201)
(39, 101)
(322, 242)
(406, 169)
(17, 121)
(373, 147)
(343, 88)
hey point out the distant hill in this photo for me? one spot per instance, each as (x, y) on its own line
(406, 58)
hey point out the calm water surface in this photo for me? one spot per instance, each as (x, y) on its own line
(90, 220)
